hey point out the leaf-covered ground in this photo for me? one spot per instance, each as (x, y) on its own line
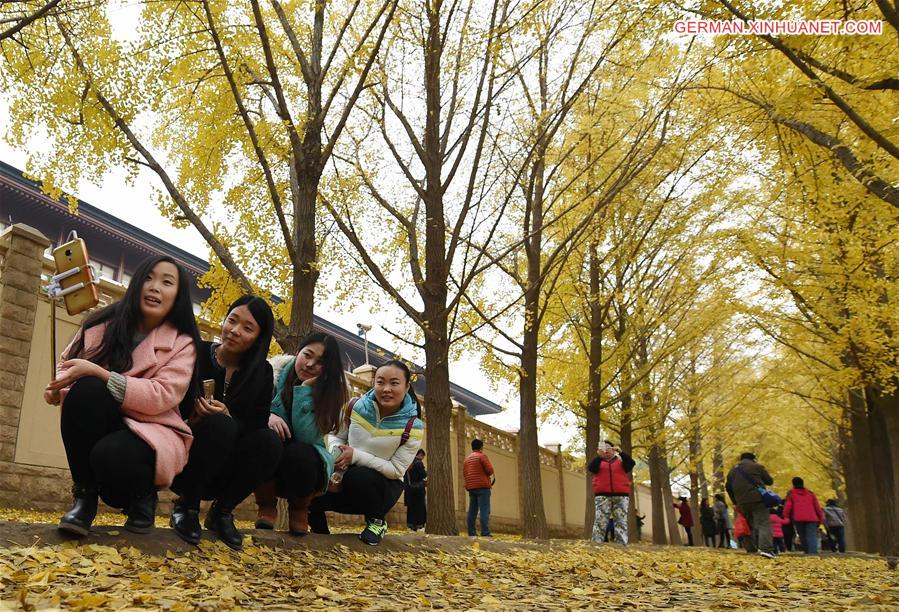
(435, 572)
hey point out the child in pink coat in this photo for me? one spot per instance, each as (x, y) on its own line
(120, 383)
(777, 530)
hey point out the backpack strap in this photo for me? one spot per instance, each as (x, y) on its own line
(408, 430)
(348, 415)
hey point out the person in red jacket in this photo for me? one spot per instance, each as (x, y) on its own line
(777, 529)
(804, 511)
(612, 486)
(743, 532)
(478, 472)
(686, 518)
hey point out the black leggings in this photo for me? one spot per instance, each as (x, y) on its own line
(102, 452)
(301, 471)
(365, 491)
(226, 461)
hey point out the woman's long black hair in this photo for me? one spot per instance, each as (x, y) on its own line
(114, 352)
(396, 363)
(329, 392)
(253, 360)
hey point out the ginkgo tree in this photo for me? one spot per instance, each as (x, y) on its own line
(235, 109)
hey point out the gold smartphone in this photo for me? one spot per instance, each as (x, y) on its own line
(70, 256)
(209, 389)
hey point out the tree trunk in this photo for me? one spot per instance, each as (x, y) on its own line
(441, 463)
(863, 508)
(594, 379)
(718, 468)
(530, 483)
(656, 479)
(305, 175)
(668, 501)
(887, 406)
(627, 445)
(434, 291)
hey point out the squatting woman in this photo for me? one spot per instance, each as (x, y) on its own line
(120, 383)
(376, 447)
(310, 392)
(233, 449)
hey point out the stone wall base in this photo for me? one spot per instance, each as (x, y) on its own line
(48, 489)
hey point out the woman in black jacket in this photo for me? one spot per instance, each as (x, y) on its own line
(707, 520)
(233, 449)
(414, 483)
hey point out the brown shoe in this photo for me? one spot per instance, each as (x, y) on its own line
(298, 515)
(267, 502)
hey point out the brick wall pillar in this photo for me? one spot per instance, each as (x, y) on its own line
(20, 281)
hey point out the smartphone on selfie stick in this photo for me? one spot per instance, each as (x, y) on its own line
(74, 281)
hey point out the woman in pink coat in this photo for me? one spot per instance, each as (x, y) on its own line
(804, 511)
(120, 384)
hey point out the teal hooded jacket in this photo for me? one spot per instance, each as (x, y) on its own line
(302, 418)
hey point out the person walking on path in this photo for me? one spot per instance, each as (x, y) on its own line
(707, 522)
(415, 483)
(743, 482)
(722, 521)
(686, 518)
(611, 470)
(478, 472)
(777, 529)
(803, 510)
(835, 521)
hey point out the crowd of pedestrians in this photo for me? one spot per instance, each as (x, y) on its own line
(768, 525)
(762, 522)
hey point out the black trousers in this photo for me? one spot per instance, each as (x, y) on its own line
(365, 491)
(226, 461)
(102, 452)
(416, 507)
(301, 471)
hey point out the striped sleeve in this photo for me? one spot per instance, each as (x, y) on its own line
(116, 385)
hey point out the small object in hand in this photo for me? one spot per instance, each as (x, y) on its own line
(209, 389)
(334, 485)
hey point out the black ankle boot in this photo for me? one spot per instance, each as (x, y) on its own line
(141, 512)
(220, 520)
(185, 520)
(84, 509)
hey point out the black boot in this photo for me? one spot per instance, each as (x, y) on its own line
(220, 520)
(141, 512)
(84, 509)
(185, 520)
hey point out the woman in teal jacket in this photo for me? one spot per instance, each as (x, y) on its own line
(310, 391)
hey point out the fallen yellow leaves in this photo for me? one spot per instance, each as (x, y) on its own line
(559, 575)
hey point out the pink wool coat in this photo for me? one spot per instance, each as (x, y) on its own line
(156, 384)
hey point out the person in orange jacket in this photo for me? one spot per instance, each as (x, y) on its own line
(478, 472)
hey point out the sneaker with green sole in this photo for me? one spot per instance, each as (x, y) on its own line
(374, 532)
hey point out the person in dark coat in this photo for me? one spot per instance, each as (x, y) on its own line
(707, 521)
(233, 449)
(686, 518)
(414, 494)
(742, 486)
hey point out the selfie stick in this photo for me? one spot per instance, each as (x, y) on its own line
(55, 291)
